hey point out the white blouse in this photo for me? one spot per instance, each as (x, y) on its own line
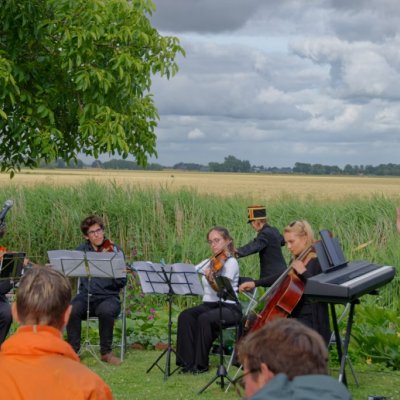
(230, 270)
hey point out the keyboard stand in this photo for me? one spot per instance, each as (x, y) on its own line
(342, 349)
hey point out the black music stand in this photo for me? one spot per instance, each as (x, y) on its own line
(11, 265)
(180, 279)
(81, 264)
(225, 292)
(11, 270)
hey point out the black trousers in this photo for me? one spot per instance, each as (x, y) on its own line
(106, 309)
(198, 327)
(5, 320)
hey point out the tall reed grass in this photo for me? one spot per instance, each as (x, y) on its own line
(172, 225)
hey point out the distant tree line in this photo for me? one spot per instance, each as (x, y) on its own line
(233, 164)
(319, 169)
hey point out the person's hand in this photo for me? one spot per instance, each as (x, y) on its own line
(27, 263)
(247, 286)
(298, 266)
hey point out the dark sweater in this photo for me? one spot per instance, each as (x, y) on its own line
(267, 244)
(99, 287)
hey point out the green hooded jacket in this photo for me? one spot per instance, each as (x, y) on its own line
(306, 387)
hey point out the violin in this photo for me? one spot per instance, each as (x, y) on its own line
(107, 246)
(216, 264)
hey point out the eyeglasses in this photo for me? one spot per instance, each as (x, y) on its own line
(96, 232)
(214, 241)
(239, 382)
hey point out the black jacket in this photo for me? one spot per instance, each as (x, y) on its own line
(99, 287)
(5, 287)
(267, 244)
(311, 313)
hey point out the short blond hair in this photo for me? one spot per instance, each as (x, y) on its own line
(43, 297)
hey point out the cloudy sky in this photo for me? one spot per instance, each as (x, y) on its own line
(281, 81)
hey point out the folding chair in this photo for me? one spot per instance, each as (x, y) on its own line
(247, 307)
(121, 317)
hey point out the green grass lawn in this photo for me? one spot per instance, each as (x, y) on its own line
(130, 380)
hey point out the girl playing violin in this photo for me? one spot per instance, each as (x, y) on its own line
(198, 326)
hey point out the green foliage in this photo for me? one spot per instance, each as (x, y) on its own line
(129, 165)
(377, 335)
(75, 76)
(155, 224)
(146, 325)
(230, 164)
(151, 327)
(130, 380)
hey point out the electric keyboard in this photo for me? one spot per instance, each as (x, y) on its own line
(349, 282)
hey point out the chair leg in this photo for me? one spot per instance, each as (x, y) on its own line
(123, 337)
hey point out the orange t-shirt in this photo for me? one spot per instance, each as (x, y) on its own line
(36, 363)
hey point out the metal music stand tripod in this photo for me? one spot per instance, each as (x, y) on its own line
(80, 264)
(11, 267)
(225, 292)
(175, 279)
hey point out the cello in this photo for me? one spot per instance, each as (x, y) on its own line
(283, 295)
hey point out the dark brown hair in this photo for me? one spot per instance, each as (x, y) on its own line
(225, 234)
(285, 346)
(90, 221)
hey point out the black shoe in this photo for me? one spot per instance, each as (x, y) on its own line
(198, 371)
(186, 370)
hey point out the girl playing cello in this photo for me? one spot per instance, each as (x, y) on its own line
(198, 326)
(299, 239)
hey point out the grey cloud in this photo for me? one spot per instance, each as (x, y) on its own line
(359, 69)
(203, 16)
(331, 96)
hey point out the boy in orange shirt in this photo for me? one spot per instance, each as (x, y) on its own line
(36, 362)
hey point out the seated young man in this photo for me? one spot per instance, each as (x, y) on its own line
(36, 362)
(287, 360)
(103, 293)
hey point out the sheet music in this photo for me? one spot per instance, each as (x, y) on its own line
(79, 263)
(155, 278)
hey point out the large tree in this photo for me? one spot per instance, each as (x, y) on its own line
(75, 77)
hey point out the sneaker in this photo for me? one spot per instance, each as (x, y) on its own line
(110, 359)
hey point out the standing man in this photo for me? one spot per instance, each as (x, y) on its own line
(103, 293)
(36, 362)
(267, 244)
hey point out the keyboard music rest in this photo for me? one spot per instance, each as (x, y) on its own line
(348, 283)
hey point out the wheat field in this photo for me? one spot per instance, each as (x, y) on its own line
(256, 186)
